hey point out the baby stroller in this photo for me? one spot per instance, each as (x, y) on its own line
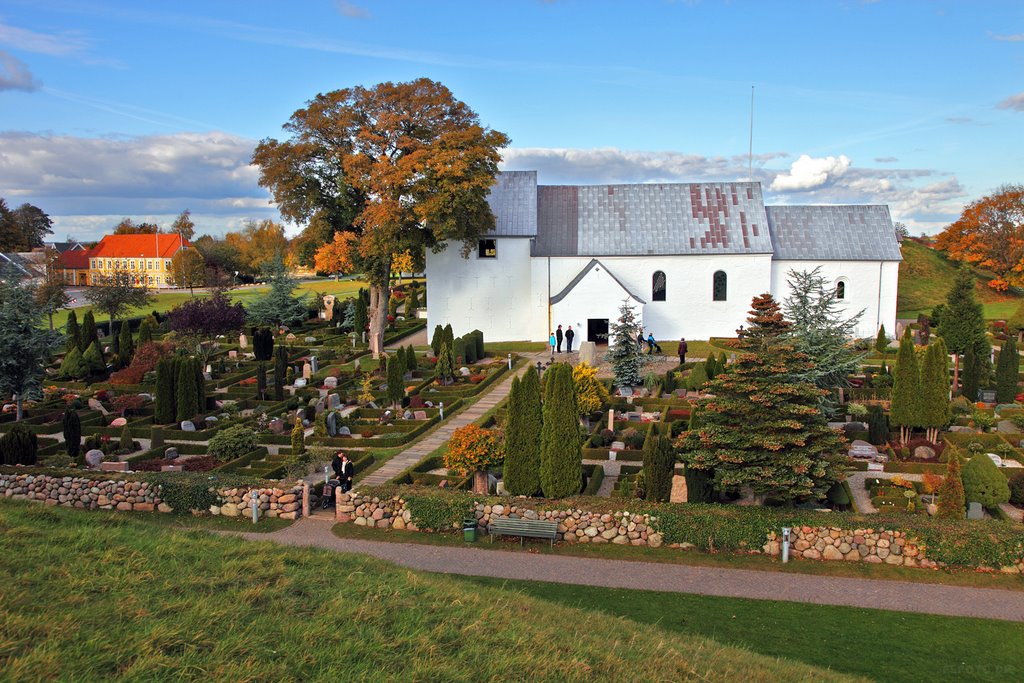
(330, 489)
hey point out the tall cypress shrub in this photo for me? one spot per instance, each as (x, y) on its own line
(298, 438)
(166, 406)
(125, 345)
(280, 371)
(362, 316)
(878, 425)
(659, 467)
(906, 389)
(561, 462)
(459, 351)
(72, 334)
(185, 390)
(469, 342)
(72, 425)
(197, 370)
(445, 369)
(396, 368)
(145, 331)
(436, 340)
(18, 446)
(934, 401)
(478, 337)
(1007, 369)
(449, 336)
(522, 447)
(971, 376)
(87, 333)
(951, 492)
(962, 323)
(410, 359)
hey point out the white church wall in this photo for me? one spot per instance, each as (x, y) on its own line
(869, 285)
(489, 294)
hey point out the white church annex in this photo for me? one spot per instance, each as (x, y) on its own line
(689, 257)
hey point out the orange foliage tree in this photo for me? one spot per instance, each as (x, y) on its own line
(400, 165)
(474, 449)
(338, 255)
(990, 234)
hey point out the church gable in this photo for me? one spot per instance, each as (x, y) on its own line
(596, 278)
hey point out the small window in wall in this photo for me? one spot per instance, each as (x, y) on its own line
(487, 249)
(719, 287)
(658, 286)
(840, 290)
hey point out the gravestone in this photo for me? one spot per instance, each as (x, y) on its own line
(1007, 427)
(625, 391)
(332, 424)
(355, 365)
(924, 453)
(987, 396)
(96, 405)
(300, 382)
(331, 382)
(464, 371)
(321, 406)
(419, 415)
(314, 364)
(588, 353)
(243, 342)
(333, 401)
(277, 426)
(94, 457)
(307, 370)
(211, 418)
(344, 431)
(118, 422)
(188, 426)
(618, 446)
(876, 467)
(310, 340)
(290, 337)
(329, 307)
(407, 415)
(170, 468)
(171, 453)
(209, 369)
(975, 511)
(996, 459)
(862, 449)
(114, 466)
(233, 355)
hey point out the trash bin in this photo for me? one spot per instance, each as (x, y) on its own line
(469, 529)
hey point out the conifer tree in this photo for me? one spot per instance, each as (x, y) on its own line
(362, 318)
(627, 360)
(166, 406)
(72, 335)
(711, 366)
(185, 390)
(972, 371)
(878, 425)
(697, 378)
(412, 302)
(87, 332)
(126, 443)
(659, 467)
(1007, 370)
(125, 345)
(411, 363)
(785, 448)
(73, 365)
(93, 358)
(396, 369)
(561, 460)
(522, 447)
(449, 335)
(146, 331)
(298, 438)
(445, 364)
(197, 371)
(459, 351)
(984, 483)
(436, 340)
(934, 402)
(951, 492)
(906, 389)
(962, 323)
(280, 372)
(261, 380)
(722, 362)
(72, 425)
(881, 341)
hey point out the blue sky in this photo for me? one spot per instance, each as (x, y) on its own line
(112, 109)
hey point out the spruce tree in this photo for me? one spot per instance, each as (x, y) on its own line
(72, 425)
(436, 340)
(396, 369)
(962, 323)
(72, 335)
(951, 492)
(785, 447)
(659, 468)
(561, 460)
(73, 366)
(934, 401)
(87, 333)
(627, 360)
(166, 406)
(972, 372)
(881, 341)
(125, 345)
(1007, 370)
(93, 359)
(184, 390)
(280, 371)
(522, 447)
(906, 389)
(411, 363)
(984, 483)
(445, 369)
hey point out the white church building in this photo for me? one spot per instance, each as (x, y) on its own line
(689, 257)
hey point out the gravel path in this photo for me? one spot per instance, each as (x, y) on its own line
(740, 583)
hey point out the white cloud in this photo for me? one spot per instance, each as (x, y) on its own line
(15, 75)
(352, 11)
(1014, 102)
(54, 45)
(807, 173)
(1011, 38)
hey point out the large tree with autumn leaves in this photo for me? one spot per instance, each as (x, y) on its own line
(990, 234)
(401, 166)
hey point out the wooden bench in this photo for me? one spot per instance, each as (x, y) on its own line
(534, 528)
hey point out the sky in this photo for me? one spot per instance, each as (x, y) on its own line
(143, 109)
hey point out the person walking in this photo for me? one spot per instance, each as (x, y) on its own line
(551, 340)
(651, 344)
(682, 350)
(348, 473)
(559, 335)
(569, 334)
(640, 340)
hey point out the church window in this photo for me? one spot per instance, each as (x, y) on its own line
(719, 288)
(487, 248)
(658, 286)
(840, 290)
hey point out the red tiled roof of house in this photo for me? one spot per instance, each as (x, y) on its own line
(138, 246)
(74, 259)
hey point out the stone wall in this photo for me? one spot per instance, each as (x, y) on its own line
(876, 546)
(141, 496)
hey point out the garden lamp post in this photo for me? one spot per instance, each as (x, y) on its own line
(255, 498)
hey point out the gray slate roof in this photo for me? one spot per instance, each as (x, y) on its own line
(640, 220)
(513, 200)
(833, 233)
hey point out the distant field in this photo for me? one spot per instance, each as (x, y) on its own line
(925, 278)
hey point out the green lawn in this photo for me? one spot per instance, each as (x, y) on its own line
(877, 644)
(91, 596)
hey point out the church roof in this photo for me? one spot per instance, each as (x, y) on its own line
(513, 200)
(833, 233)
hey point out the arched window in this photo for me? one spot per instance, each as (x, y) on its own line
(719, 286)
(658, 286)
(840, 290)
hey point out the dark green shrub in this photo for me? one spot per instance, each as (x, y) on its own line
(261, 380)
(73, 366)
(438, 512)
(127, 443)
(561, 472)
(478, 339)
(232, 442)
(125, 344)
(93, 359)
(449, 336)
(18, 446)
(469, 343)
(87, 333)
(984, 483)
(72, 425)
(72, 334)
(1016, 484)
(166, 407)
(436, 339)
(187, 492)
(280, 371)
(878, 425)
(185, 390)
(263, 343)
(459, 351)
(699, 485)
(522, 447)
(410, 359)
(659, 467)
(838, 496)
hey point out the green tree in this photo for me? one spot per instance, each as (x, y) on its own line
(906, 390)
(951, 492)
(72, 427)
(146, 330)
(1007, 370)
(785, 448)
(878, 425)
(659, 468)
(445, 364)
(882, 341)
(280, 370)
(396, 369)
(410, 359)
(984, 483)
(25, 348)
(18, 446)
(522, 448)
(449, 336)
(185, 390)
(261, 381)
(72, 334)
(116, 293)
(125, 344)
(278, 306)
(166, 406)
(972, 374)
(362, 318)
(697, 378)
(626, 358)
(184, 226)
(88, 333)
(561, 460)
(127, 443)
(436, 339)
(1015, 325)
(403, 166)
(298, 438)
(188, 270)
(711, 366)
(962, 323)
(934, 395)
(93, 359)
(73, 366)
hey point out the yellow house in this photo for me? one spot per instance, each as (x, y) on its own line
(146, 257)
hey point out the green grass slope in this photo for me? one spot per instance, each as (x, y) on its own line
(925, 278)
(91, 596)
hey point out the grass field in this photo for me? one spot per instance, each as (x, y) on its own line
(877, 644)
(925, 278)
(165, 301)
(105, 597)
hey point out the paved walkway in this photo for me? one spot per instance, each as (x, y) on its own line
(739, 583)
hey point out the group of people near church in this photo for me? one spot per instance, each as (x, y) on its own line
(558, 337)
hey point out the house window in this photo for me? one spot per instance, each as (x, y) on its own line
(167, 264)
(108, 264)
(658, 286)
(149, 264)
(133, 264)
(487, 249)
(719, 288)
(840, 290)
(151, 279)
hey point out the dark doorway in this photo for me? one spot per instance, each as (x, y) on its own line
(597, 330)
